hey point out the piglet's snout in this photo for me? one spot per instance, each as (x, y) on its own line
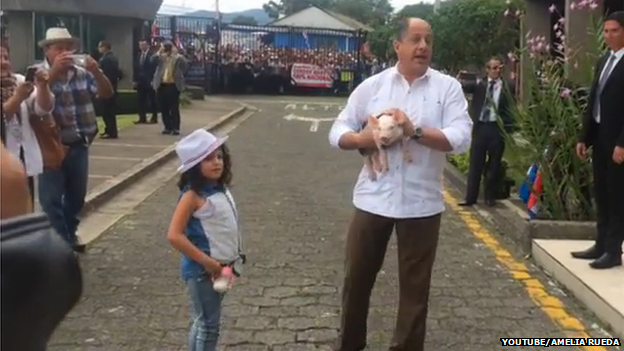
(385, 139)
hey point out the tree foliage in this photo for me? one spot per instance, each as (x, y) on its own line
(468, 32)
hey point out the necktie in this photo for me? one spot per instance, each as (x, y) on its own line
(489, 99)
(605, 75)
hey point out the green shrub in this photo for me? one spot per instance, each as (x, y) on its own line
(194, 92)
(461, 161)
(185, 99)
(127, 103)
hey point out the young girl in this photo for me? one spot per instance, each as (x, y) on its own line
(204, 228)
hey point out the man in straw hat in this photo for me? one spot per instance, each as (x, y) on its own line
(73, 81)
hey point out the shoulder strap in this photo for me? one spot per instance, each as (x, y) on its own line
(230, 200)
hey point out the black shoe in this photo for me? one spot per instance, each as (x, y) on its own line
(606, 261)
(590, 254)
(490, 203)
(175, 132)
(467, 203)
(80, 248)
(108, 136)
(154, 120)
(141, 121)
(166, 132)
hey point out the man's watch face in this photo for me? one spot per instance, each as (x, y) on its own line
(418, 132)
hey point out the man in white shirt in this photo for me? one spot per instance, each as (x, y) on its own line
(432, 108)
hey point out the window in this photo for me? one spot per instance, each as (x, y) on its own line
(45, 21)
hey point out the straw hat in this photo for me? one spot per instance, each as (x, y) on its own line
(195, 147)
(56, 34)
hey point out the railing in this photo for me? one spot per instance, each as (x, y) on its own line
(264, 59)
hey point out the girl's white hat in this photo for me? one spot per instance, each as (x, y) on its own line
(195, 147)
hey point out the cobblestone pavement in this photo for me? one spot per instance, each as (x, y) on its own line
(294, 195)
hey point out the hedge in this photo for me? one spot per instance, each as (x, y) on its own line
(128, 102)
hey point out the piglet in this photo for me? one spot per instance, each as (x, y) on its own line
(386, 132)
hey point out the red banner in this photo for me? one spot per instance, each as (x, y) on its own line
(311, 76)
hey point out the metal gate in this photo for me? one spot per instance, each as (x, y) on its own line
(196, 38)
(277, 59)
(239, 59)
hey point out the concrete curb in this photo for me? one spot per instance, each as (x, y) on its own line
(103, 192)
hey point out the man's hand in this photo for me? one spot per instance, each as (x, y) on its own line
(581, 151)
(402, 120)
(41, 78)
(61, 63)
(365, 138)
(92, 65)
(618, 155)
(23, 91)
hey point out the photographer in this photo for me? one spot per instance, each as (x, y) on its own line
(24, 99)
(73, 81)
(169, 83)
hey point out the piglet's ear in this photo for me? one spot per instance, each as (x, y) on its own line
(373, 121)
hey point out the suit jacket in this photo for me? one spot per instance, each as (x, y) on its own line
(611, 108)
(179, 69)
(110, 66)
(505, 103)
(144, 71)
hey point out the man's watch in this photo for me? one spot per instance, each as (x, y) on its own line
(418, 133)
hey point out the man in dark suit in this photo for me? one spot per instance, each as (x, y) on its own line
(603, 131)
(144, 68)
(491, 98)
(110, 66)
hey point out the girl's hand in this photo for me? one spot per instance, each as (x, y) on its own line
(213, 268)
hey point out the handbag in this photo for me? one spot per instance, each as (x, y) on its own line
(49, 139)
(41, 282)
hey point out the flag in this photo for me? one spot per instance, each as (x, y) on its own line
(524, 193)
(154, 33)
(538, 187)
(179, 43)
(305, 37)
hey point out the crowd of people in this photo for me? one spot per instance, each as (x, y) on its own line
(264, 68)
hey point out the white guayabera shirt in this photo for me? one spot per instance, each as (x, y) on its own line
(408, 190)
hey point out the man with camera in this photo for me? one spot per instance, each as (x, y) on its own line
(74, 79)
(168, 83)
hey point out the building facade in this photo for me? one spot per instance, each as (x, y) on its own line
(120, 22)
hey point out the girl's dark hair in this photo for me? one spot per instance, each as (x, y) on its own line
(194, 179)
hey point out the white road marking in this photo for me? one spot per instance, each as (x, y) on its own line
(296, 102)
(314, 122)
(314, 126)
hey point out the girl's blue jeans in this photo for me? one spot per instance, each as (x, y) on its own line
(206, 304)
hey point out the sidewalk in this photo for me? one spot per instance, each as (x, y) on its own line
(109, 158)
(293, 193)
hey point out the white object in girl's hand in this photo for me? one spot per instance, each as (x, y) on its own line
(223, 283)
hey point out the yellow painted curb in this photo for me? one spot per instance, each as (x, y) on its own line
(551, 305)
